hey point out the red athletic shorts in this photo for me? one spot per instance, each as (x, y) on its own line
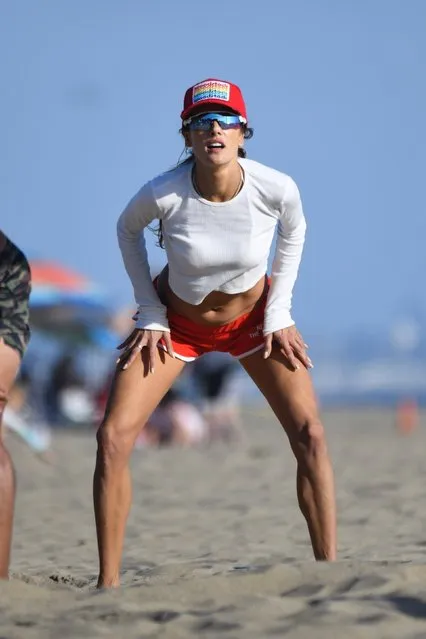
(239, 338)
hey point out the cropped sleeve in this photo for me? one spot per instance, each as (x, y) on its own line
(138, 214)
(288, 253)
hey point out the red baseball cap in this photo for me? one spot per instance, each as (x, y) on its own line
(212, 92)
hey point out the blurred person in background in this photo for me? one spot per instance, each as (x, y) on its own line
(20, 419)
(15, 286)
(66, 398)
(215, 377)
(175, 422)
(217, 214)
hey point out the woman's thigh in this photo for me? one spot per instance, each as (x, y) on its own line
(289, 393)
(135, 392)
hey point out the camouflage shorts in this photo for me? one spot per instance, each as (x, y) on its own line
(15, 288)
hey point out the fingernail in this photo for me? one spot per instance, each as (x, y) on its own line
(117, 360)
(124, 367)
(306, 346)
(297, 367)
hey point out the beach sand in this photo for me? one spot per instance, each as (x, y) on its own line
(216, 546)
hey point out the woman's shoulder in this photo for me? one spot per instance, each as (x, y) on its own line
(270, 181)
(171, 181)
(264, 172)
(164, 187)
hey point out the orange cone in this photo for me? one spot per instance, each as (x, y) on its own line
(407, 416)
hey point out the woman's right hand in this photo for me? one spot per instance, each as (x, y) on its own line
(139, 339)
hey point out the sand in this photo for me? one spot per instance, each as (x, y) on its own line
(216, 546)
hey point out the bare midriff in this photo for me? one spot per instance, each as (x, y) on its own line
(217, 308)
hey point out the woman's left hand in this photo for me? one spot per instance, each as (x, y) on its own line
(291, 344)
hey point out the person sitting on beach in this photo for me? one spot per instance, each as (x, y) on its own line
(175, 422)
(15, 286)
(215, 378)
(217, 214)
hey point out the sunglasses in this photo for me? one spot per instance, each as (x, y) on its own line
(205, 121)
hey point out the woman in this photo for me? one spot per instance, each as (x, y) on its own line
(217, 213)
(15, 281)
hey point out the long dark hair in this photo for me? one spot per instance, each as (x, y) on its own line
(242, 153)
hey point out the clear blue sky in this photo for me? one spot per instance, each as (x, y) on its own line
(90, 101)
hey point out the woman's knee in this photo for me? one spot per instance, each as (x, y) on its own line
(116, 440)
(308, 439)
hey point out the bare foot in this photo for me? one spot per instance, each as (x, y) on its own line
(107, 584)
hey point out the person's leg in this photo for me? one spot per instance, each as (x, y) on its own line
(134, 396)
(291, 396)
(9, 365)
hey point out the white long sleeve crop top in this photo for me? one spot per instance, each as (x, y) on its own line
(215, 246)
